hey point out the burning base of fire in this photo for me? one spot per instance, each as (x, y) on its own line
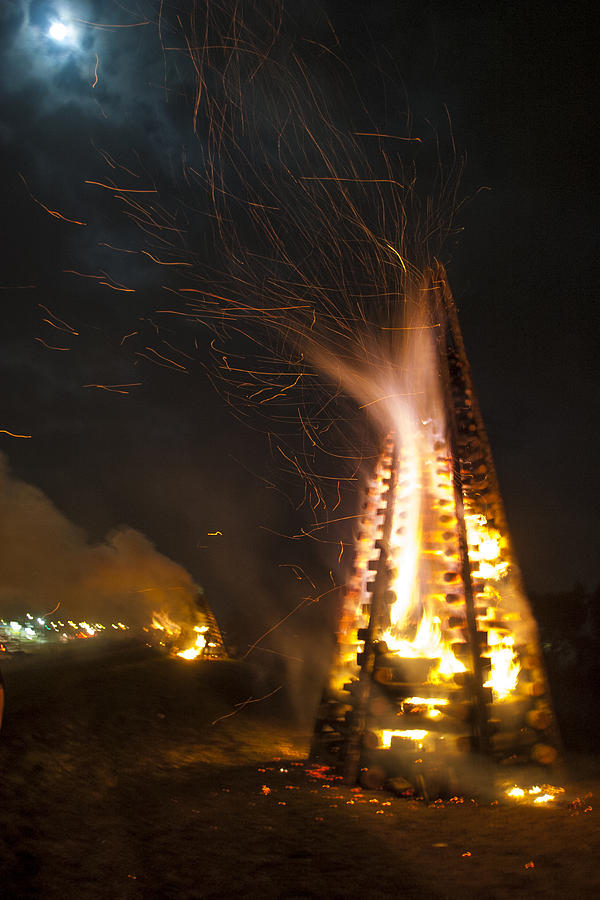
(186, 642)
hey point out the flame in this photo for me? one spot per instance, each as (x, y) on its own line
(418, 563)
(198, 646)
(516, 792)
(536, 794)
(414, 734)
(425, 706)
(485, 547)
(505, 666)
(162, 622)
(486, 544)
(427, 701)
(427, 643)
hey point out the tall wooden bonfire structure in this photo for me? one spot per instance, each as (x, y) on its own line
(438, 678)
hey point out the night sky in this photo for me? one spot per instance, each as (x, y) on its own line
(169, 458)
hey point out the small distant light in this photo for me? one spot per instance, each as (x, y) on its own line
(58, 31)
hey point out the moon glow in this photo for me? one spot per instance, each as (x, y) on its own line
(58, 31)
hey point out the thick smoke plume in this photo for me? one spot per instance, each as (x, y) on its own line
(46, 560)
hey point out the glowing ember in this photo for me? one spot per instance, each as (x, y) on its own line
(536, 794)
(516, 792)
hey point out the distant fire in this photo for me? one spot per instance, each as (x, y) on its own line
(199, 645)
(188, 642)
(196, 637)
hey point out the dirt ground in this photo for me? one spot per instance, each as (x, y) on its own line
(115, 783)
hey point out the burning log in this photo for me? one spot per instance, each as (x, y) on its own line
(405, 672)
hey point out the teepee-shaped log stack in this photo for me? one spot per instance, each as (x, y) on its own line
(215, 645)
(438, 677)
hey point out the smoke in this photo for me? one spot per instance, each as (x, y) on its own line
(46, 560)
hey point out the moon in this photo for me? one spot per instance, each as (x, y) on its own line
(58, 31)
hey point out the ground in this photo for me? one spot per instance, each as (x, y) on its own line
(119, 779)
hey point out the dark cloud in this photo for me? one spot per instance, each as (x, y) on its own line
(12, 17)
